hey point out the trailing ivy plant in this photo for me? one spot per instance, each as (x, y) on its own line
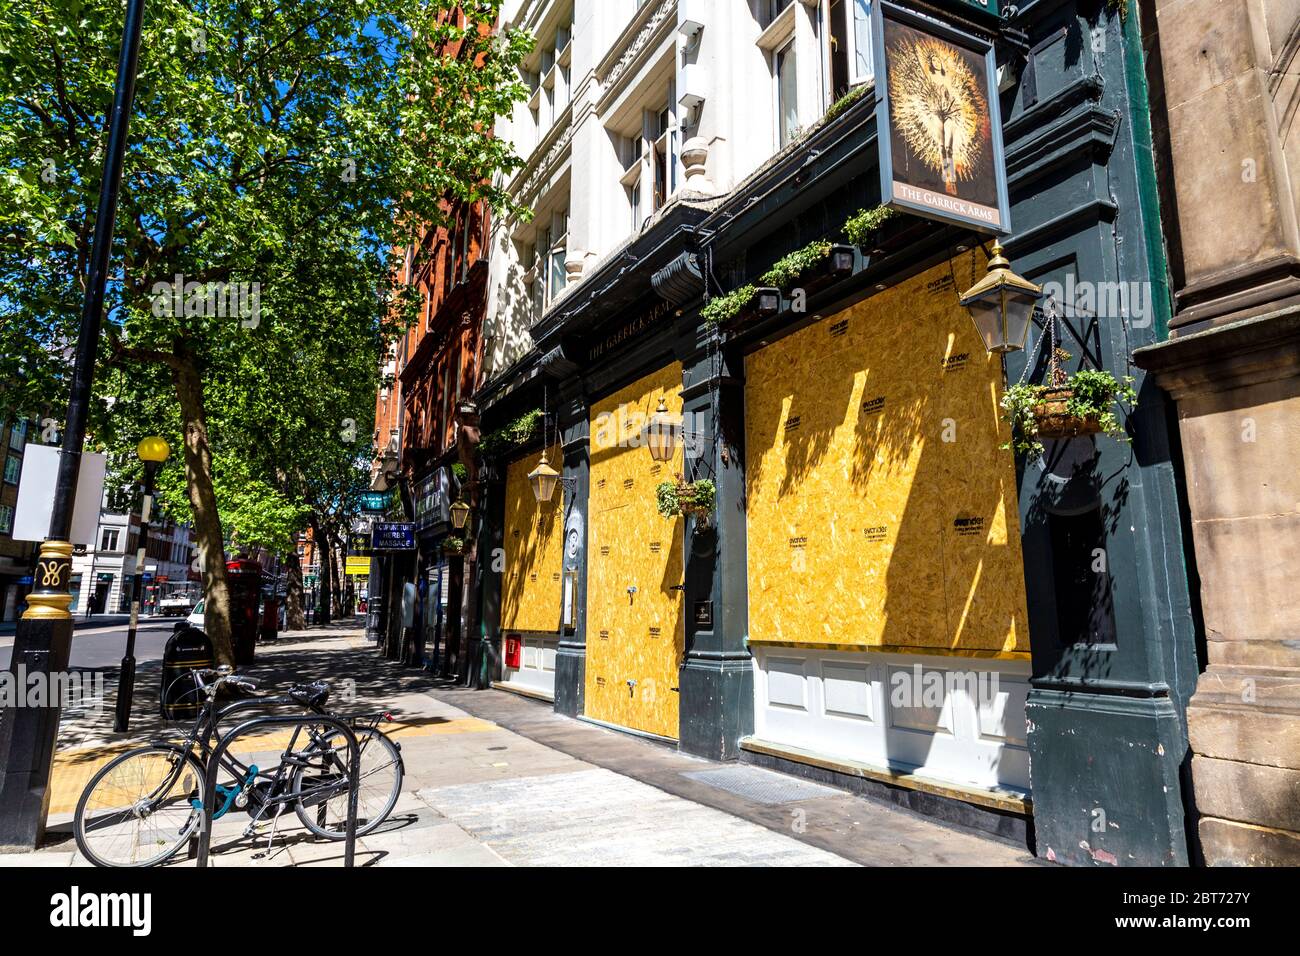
(787, 270)
(1095, 395)
(519, 431)
(679, 497)
(859, 227)
(727, 307)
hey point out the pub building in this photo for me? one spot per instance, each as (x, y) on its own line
(883, 595)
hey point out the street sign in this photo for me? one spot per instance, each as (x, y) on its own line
(36, 495)
(393, 536)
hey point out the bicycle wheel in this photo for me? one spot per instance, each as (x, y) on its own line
(136, 810)
(321, 788)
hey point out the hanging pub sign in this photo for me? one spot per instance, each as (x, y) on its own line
(940, 130)
(393, 536)
(432, 498)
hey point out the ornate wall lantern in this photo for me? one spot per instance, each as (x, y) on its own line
(1002, 305)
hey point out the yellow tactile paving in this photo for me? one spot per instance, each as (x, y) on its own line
(74, 768)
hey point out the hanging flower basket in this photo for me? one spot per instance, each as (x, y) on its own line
(682, 497)
(1081, 404)
(1054, 419)
(454, 547)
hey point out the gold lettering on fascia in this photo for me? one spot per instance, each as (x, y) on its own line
(629, 329)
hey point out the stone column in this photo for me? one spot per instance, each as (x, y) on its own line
(1238, 394)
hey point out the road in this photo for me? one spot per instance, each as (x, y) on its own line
(100, 643)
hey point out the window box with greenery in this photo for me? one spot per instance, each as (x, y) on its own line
(509, 437)
(1085, 403)
(808, 268)
(738, 307)
(682, 497)
(864, 227)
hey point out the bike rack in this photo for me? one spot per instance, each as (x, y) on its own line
(270, 720)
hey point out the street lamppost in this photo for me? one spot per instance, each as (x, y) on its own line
(28, 735)
(153, 452)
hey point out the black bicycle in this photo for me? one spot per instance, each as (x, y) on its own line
(145, 804)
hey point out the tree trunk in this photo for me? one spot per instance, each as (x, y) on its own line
(203, 505)
(325, 564)
(294, 618)
(339, 576)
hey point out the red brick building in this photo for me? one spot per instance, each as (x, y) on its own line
(431, 373)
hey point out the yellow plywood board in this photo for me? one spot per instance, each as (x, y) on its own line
(534, 535)
(882, 512)
(635, 636)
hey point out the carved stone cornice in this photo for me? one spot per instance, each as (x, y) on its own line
(544, 160)
(635, 43)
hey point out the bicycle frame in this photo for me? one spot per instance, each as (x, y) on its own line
(206, 728)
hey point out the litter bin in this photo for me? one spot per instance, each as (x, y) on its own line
(270, 618)
(187, 651)
(245, 579)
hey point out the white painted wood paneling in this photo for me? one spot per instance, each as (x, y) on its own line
(953, 719)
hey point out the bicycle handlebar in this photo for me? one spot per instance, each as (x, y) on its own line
(222, 675)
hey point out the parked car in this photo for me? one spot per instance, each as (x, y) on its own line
(196, 616)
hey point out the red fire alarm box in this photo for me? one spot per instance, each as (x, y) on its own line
(514, 647)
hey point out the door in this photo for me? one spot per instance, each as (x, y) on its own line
(635, 565)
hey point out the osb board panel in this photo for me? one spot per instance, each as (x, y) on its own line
(633, 637)
(534, 536)
(881, 510)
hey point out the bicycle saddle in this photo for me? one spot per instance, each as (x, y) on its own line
(310, 695)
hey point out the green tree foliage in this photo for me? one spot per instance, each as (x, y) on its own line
(277, 151)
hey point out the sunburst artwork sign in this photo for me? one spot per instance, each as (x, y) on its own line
(938, 119)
